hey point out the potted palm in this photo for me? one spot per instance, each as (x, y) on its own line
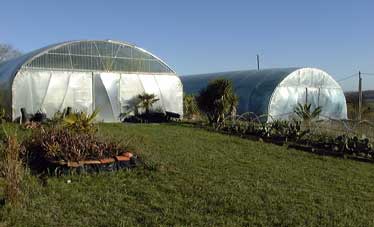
(146, 101)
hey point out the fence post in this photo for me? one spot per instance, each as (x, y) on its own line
(359, 95)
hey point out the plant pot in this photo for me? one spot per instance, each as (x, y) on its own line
(122, 158)
(74, 164)
(127, 154)
(107, 160)
(91, 162)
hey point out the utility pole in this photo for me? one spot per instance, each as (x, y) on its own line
(359, 95)
(258, 62)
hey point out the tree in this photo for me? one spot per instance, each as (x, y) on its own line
(7, 52)
(146, 101)
(217, 100)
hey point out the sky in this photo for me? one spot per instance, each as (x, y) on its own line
(196, 37)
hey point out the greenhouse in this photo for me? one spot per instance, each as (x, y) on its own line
(88, 75)
(274, 93)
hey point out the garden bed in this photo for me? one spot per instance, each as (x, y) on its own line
(292, 135)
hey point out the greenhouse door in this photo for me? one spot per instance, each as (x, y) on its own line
(106, 96)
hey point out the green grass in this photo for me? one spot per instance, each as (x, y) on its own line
(202, 178)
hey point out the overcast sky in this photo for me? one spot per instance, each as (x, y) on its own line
(210, 36)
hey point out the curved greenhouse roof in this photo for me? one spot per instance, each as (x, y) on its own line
(104, 65)
(91, 55)
(276, 92)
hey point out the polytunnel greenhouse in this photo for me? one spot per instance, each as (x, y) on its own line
(274, 93)
(88, 75)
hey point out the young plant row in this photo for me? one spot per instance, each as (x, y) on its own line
(296, 134)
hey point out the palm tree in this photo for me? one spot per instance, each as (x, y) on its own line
(217, 100)
(147, 100)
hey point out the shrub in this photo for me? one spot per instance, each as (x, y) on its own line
(190, 108)
(217, 100)
(12, 170)
(62, 144)
(81, 121)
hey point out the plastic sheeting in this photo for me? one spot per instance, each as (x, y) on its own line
(51, 91)
(276, 92)
(110, 93)
(87, 75)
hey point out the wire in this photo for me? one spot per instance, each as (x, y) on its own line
(348, 77)
(368, 74)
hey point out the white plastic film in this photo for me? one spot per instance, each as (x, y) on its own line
(112, 94)
(171, 92)
(307, 85)
(51, 91)
(130, 88)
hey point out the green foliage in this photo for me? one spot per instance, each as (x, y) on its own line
(349, 145)
(217, 100)
(190, 108)
(285, 132)
(276, 130)
(147, 101)
(305, 112)
(81, 121)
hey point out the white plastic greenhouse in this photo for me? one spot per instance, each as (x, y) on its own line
(276, 92)
(87, 75)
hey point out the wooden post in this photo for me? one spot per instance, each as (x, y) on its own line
(359, 96)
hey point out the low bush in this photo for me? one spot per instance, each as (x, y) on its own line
(54, 144)
(190, 108)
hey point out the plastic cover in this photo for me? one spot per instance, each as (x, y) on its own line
(276, 92)
(86, 75)
(110, 93)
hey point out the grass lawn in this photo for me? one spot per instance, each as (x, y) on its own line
(202, 178)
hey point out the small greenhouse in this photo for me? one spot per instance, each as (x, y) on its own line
(88, 75)
(276, 92)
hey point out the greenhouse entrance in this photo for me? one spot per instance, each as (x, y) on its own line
(106, 96)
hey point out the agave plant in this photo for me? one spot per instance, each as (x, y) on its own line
(80, 121)
(147, 100)
(305, 112)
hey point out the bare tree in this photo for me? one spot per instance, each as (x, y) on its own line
(8, 52)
